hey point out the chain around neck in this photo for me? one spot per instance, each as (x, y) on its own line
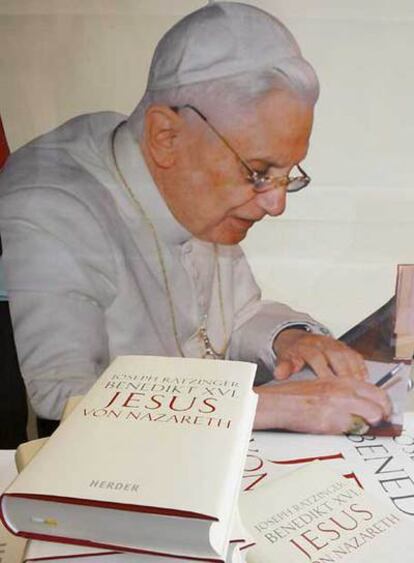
(208, 349)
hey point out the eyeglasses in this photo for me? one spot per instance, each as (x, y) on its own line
(259, 180)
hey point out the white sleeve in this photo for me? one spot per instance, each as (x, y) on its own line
(257, 322)
(59, 275)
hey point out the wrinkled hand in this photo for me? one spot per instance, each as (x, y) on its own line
(326, 356)
(320, 406)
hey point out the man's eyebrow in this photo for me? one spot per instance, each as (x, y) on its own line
(266, 160)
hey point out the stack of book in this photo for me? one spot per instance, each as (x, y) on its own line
(11, 547)
(147, 467)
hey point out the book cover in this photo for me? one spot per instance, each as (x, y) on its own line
(384, 466)
(158, 467)
(314, 514)
(37, 550)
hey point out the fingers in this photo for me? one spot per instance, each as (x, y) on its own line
(326, 356)
(345, 362)
(369, 411)
(361, 399)
(353, 414)
(323, 406)
(358, 366)
(347, 398)
(305, 352)
(318, 361)
(376, 395)
(286, 368)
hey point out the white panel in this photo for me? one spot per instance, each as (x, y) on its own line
(334, 252)
(316, 9)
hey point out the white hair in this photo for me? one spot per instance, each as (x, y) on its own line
(225, 97)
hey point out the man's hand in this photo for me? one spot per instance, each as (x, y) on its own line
(320, 406)
(327, 357)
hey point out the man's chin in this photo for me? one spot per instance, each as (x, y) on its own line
(226, 236)
(231, 239)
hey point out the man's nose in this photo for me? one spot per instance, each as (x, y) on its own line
(272, 201)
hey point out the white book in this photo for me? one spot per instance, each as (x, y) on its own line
(37, 550)
(53, 552)
(314, 514)
(115, 557)
(383, 465)
(158, 467)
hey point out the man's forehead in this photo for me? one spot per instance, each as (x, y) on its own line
(276, 134)
(277, 102)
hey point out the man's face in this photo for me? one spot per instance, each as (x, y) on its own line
(210, 193)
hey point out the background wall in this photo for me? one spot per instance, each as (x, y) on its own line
(334, 251)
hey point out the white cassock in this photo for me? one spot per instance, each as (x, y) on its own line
(84, 276)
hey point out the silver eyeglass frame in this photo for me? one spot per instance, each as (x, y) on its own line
(259, 180)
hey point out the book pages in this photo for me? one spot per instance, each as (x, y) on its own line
(11, 547)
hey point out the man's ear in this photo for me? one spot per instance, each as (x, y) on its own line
(162, 127)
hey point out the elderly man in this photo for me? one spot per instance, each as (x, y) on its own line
(121, 235)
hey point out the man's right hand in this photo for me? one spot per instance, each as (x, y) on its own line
(320, 406)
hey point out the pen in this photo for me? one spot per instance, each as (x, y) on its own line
(389, 375)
